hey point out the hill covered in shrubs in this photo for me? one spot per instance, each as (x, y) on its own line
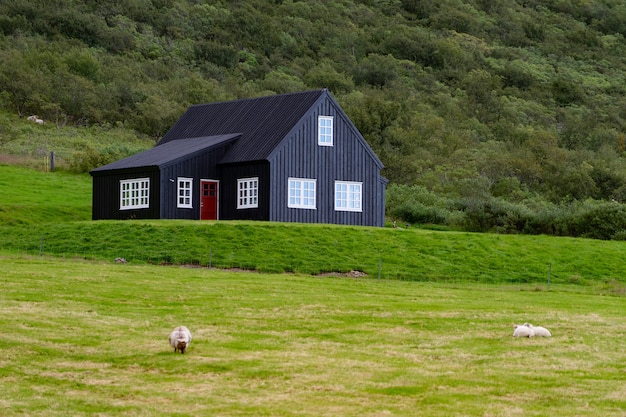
(488, 115)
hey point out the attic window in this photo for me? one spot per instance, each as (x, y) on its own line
(135, 193)
(348, 196)
(247, 193)
(325, 131)
(184, 192)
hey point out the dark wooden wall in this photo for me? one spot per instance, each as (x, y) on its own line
(200, 166)
(349, 159)
(228, 191)
(106, 195)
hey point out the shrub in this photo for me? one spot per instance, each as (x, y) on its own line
(601, 221)
(91, 158)
(416, 204)
(494, 215)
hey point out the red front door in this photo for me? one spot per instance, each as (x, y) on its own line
(208, 199)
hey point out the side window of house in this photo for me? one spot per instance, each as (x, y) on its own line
(302, 193)
(348, 196)
(135, 193)
(247, 193)
(184, 192)
(325, 131)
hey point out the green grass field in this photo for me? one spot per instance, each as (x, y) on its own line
(83, 338)
(426, 332)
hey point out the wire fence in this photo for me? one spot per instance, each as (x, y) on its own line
(213, 259)
(494, 268)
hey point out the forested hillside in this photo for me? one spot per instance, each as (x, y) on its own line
(505, 115)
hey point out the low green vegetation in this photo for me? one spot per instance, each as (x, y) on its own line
(90, 338)
(53, 219)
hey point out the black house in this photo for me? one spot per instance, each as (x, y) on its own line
(288, 158)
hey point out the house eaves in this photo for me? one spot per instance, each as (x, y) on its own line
(169, 153)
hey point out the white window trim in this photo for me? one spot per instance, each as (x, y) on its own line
(184, 185)
(296, 193)
(134, 193)
(351, 197)
(248, 193)
(321, 131)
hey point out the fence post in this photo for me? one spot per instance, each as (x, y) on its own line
(549, 274)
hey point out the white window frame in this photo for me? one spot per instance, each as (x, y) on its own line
(184, 192)
(348, 196)
(248, 193)
(302, 193)
(134, 193)
(325, 131)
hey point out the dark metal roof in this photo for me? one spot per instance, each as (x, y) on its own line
(263, 122)
(168, 153)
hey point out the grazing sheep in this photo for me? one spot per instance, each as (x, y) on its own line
(539, 331)
(521, 330)
(180, 339)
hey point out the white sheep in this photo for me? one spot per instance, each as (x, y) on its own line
(520, 330)
(34, 118)
(180, 339)
(539, 331)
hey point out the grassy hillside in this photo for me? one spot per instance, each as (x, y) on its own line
(76, 149)
(31, 196)
(53, 219)
(83, 338)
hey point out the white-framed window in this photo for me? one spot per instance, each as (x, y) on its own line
(302, 193)
(135, 193)
(325, 131)
(247, 193)
(185, 185)
(348, 196)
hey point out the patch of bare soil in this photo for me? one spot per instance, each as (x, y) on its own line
(351, 274)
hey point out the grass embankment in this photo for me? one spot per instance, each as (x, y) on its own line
(51, 219)
(83, 338)
(269, 247)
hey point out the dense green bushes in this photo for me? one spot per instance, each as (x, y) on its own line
(486, 104)
(591, 218)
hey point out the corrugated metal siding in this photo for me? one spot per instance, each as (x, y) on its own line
(198, 167)
(106, 201)
(228, 191)
(200, 164)
(349, 159)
